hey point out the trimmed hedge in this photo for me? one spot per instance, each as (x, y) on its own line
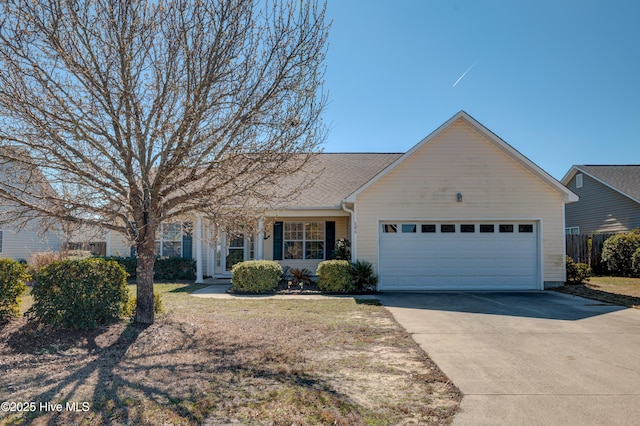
(335, 276)
(256, 276)
(80, 294)
(12, 284)
(165, 268)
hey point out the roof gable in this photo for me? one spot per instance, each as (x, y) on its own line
(624, 179)
(507, 149)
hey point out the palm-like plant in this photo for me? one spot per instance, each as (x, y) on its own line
(300, 277)
(363, 275)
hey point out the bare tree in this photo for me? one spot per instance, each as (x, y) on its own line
(142, 112)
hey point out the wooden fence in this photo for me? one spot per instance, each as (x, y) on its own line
(587, 249)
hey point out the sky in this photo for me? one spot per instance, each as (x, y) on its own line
(558, 80)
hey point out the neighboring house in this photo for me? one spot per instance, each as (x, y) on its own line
(18, 241)
(462, 209)
(609, 199)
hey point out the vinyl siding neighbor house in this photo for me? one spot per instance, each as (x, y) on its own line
(609, 198)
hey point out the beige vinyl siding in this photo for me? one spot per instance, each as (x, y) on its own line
(492, 184)
(342, 231)
(601, 208)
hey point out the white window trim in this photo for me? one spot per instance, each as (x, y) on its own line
(579, 181)
(570, 230)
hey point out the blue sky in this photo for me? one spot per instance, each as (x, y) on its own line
(558, 80)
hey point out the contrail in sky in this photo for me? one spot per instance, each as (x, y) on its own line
(465, 73)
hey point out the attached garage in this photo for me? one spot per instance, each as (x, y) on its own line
(459, 255)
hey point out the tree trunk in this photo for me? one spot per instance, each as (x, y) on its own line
(144, 280)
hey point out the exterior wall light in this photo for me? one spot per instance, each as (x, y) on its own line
(459, 197)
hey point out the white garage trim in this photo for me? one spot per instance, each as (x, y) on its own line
(476, 254)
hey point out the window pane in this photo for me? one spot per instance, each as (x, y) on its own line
(314, 231)
(446, 228)
(506, 228)
(237, 241)
(389, 228)
(487, 228)
(172, 248)
(293, 250)
(428, 228)
(315, 250)
(294, 231)
(172, 231)
(525, 228)
(408, 228)
(467, 228)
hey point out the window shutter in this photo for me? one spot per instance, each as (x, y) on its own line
(329, 239)
(277, 240)
(187, 242)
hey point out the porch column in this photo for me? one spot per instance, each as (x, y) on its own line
(223, 252)
(260, 240)
(213, 240)
(108, 247)
(199, 275)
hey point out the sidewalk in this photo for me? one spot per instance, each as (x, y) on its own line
(219, 291)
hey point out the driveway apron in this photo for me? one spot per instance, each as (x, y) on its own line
(529, 358)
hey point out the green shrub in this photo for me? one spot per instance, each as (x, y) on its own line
(635, 262)
(158, 306)
(256, 276)
(165, 268)
(363, 275)
(12, 284)
(618, 250)
(335, 276)
(577, 272)
(81, 293)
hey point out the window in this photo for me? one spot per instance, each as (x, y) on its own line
(527, 228)
(169, 240)
(506, 228)
(487, 228)
(304, 240)
(408, 228)
(447, 228)
(572, 230)
(579, 180)
(389, 228)
(467, 228)
(428, 229)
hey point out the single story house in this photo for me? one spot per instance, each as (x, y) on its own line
(609, 199)
(462, 209)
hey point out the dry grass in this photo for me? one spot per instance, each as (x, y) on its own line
(617, 290)
(207, 361)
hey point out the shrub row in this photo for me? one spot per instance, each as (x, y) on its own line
(165, 268)
(259, 276)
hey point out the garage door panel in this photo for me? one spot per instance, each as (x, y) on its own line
(498, 260)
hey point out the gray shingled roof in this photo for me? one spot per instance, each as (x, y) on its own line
(625, 178)
(339, 175)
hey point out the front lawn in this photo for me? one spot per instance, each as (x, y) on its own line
(222, 361)
(617, 290)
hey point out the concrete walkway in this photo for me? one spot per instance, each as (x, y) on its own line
(540, 358)
(219, 291)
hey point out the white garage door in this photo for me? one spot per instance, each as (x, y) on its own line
(470, 255)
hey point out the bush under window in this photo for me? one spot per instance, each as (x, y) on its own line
(256, 276)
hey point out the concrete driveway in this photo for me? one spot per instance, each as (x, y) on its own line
(539, 358)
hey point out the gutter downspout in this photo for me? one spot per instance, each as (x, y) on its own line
(352, 216)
